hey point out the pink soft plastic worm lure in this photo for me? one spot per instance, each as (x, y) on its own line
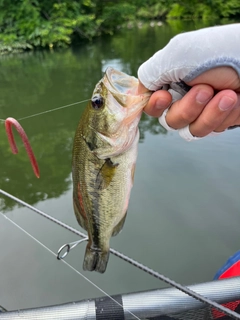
(9, 122)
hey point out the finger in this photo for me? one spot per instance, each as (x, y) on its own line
(219, 78)
(213, 115)
(186, 110)
(232, 119)
(158, 102)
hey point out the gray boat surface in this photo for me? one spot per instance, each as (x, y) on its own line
(155, 304)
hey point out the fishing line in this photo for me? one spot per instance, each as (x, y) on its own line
(133, 262)
(51, 110)
(69, 265)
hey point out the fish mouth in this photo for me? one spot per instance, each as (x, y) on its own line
(120, 83)
(124, 89)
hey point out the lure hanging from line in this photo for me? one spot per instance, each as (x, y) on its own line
(9, 122)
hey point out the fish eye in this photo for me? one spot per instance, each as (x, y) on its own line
(97, 102)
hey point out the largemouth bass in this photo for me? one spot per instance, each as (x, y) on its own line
(104, 157)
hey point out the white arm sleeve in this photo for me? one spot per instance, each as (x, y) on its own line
(189, 54)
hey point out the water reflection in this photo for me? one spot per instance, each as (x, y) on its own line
(114, 63)
(41, 81)
(53, 149)
(53, 152)
(184, 207)
(150, 124)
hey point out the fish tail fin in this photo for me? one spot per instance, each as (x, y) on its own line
(95, 260)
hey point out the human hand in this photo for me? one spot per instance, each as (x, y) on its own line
(213, 103)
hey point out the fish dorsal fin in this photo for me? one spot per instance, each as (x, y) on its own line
(106, 174)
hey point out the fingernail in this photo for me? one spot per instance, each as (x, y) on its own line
(203, 97)
(161, 104)
(226, 103)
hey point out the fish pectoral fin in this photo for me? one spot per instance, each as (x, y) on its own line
(119, 226)
(90, 145)
(106, 174)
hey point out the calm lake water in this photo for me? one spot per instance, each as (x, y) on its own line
(183, 218)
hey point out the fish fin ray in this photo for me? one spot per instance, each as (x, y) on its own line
(95, 260)
(119, 226)
(106, 174)
(89, 144)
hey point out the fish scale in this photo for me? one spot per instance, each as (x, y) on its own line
(104, 158)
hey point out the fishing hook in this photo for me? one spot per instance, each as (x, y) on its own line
(9, 122)
(68, 247)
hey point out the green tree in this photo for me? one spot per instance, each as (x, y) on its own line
(206, 9)
(28, 24)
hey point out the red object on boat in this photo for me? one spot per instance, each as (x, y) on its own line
(230, 269)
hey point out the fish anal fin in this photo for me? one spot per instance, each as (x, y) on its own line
(119, 226)
(106, 174)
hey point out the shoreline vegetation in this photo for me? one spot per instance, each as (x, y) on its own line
(42, 24)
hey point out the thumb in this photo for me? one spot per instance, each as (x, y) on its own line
(158, 102)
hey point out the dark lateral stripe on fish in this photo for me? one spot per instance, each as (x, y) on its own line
(95, 217)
